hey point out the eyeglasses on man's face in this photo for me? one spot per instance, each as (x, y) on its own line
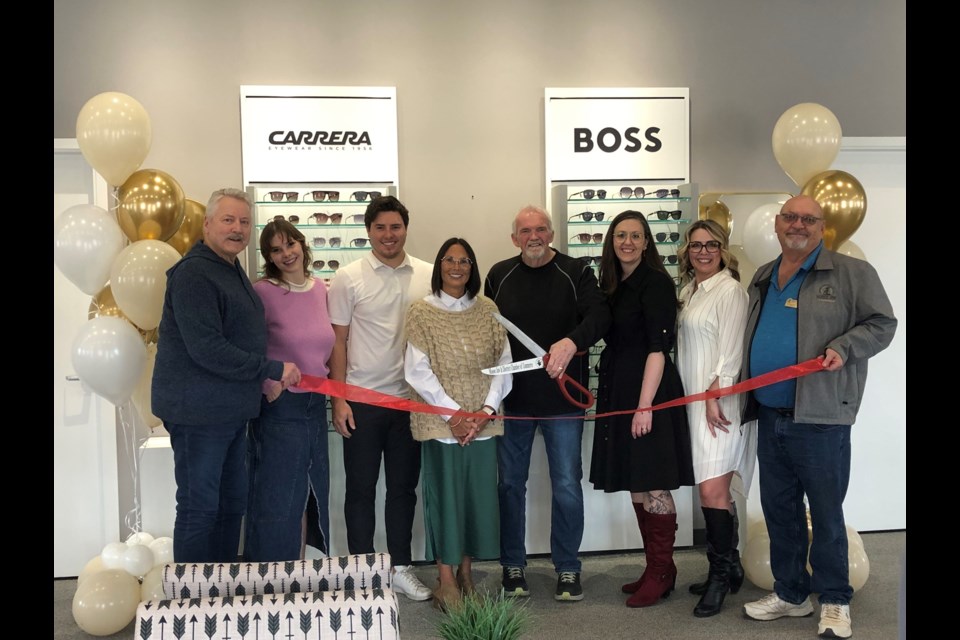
(585, 238)
(663, 215)
(790, 218)
(294, 219)
(710, 246)
(662, 236)
(324, 218)
(588, 194)
(588, 216)
(333, 265)
(279, 196)
(450, 262)
(361, 196)
(320, 196)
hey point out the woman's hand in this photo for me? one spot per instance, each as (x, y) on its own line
(715, 418)
(642, 423)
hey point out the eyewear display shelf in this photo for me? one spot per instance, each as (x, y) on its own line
(581, 220)
(329, 216)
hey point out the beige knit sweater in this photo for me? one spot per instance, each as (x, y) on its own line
(458, 344)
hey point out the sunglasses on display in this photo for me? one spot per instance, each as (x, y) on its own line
(588, 216)
(670, 259)
(320, 196)
(324, 218)
(663, 215)
(711, 246)
(591, 260)
(585, 238)
(790, 218)
(356, 218)
(662, 236)
(640, 192)
(361, 196)
(333, 264)
(588, 194)
(294, 219)
(278, 196)
(450, 261)
(319, 242)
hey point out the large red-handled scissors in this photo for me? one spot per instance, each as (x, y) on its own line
(540, 361)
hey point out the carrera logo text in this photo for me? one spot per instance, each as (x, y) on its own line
(315, 138)
(609, 140)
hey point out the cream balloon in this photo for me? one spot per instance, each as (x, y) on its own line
(756, 562)
(139, 537)
(106, 602)
(138, 560)
(114, 135)
(162, 551)
(141, 394)
(806, 140)
(86, 239)
(109, 356)
(850, 248)
(138, 279)
(152, 586)
(756, 527)
(744, 264)
(858, 565)
(759, 234)
(112, 555)
(94, 565)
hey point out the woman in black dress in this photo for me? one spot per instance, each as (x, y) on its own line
(646, 453)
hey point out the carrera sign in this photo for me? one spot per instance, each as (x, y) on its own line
(318, 134)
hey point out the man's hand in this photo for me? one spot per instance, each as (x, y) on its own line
(273, 390)
(343, 417)
(561, 353)
(832, 360)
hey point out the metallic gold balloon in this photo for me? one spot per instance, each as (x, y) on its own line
(192, 228)
(718, 212)
(844, 204)
(104, 304)
(151, 205)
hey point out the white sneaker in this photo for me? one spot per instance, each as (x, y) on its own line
(406, 582)
(771, 607)
(835, 621)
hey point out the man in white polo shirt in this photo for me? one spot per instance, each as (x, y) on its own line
(368, 300)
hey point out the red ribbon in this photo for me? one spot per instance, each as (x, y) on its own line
(354, 393)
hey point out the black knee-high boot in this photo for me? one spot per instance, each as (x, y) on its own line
(736, 569)
(720, 538)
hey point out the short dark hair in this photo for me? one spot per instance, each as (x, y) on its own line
(473, 282)
(381, 204)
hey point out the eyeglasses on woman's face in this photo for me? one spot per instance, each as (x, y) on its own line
(663, 215)
(710, 246)
(622, 236)
(588, 216)
(450, 262)
(278, 196)
(585, 238)
(588, 194)
(361, 196)
(320, 196)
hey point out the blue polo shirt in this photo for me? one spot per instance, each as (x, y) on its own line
(774, 343)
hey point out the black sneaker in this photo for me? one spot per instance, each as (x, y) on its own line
(568, 586)
(514, 582)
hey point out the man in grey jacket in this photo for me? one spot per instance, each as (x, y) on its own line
(810, 302)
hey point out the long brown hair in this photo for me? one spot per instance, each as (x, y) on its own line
(281, 227)
(610, 270)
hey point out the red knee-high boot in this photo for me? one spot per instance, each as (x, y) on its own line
(660, 577)
(631, 587)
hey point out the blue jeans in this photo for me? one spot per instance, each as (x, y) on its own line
(288, 460)
(209, 463)
(812, 459)
(562, 440)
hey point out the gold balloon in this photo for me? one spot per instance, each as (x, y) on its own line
(192, 228)
(844, 204)
(718, 212)
(104, 304)
(151, 205)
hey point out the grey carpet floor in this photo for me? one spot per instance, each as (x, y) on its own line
(602, 614)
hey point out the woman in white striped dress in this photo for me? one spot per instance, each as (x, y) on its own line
(712, 319)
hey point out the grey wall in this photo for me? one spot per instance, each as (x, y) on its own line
(470, 79)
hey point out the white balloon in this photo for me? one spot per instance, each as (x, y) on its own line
(109, 356)
(106, 603)
(759, 236)
(94, 565)
(140, 537)
(138, 560)
(850, 248)
(86, 239)
(162, 551)
(138, 280)
(112, 555)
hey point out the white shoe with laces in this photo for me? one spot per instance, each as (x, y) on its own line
(406, 582)
(771, 607)
(835, 621)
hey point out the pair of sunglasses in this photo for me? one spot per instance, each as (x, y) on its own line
(293, 219)
(663, 215)
(361, 196)
(669, 259)
(588, 194)
(588, 216)
(585, 238)
(336, 218)
(320, 196)
(333, 264)
(336, 242)
(279, 196)
(640, 192)
(674, 236)
(591, 260)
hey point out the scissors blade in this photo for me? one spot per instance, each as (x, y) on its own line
(524, 339)
(513, 367)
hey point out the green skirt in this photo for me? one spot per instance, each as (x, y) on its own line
(460, 508)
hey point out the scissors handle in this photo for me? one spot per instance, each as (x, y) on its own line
(564, 382)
